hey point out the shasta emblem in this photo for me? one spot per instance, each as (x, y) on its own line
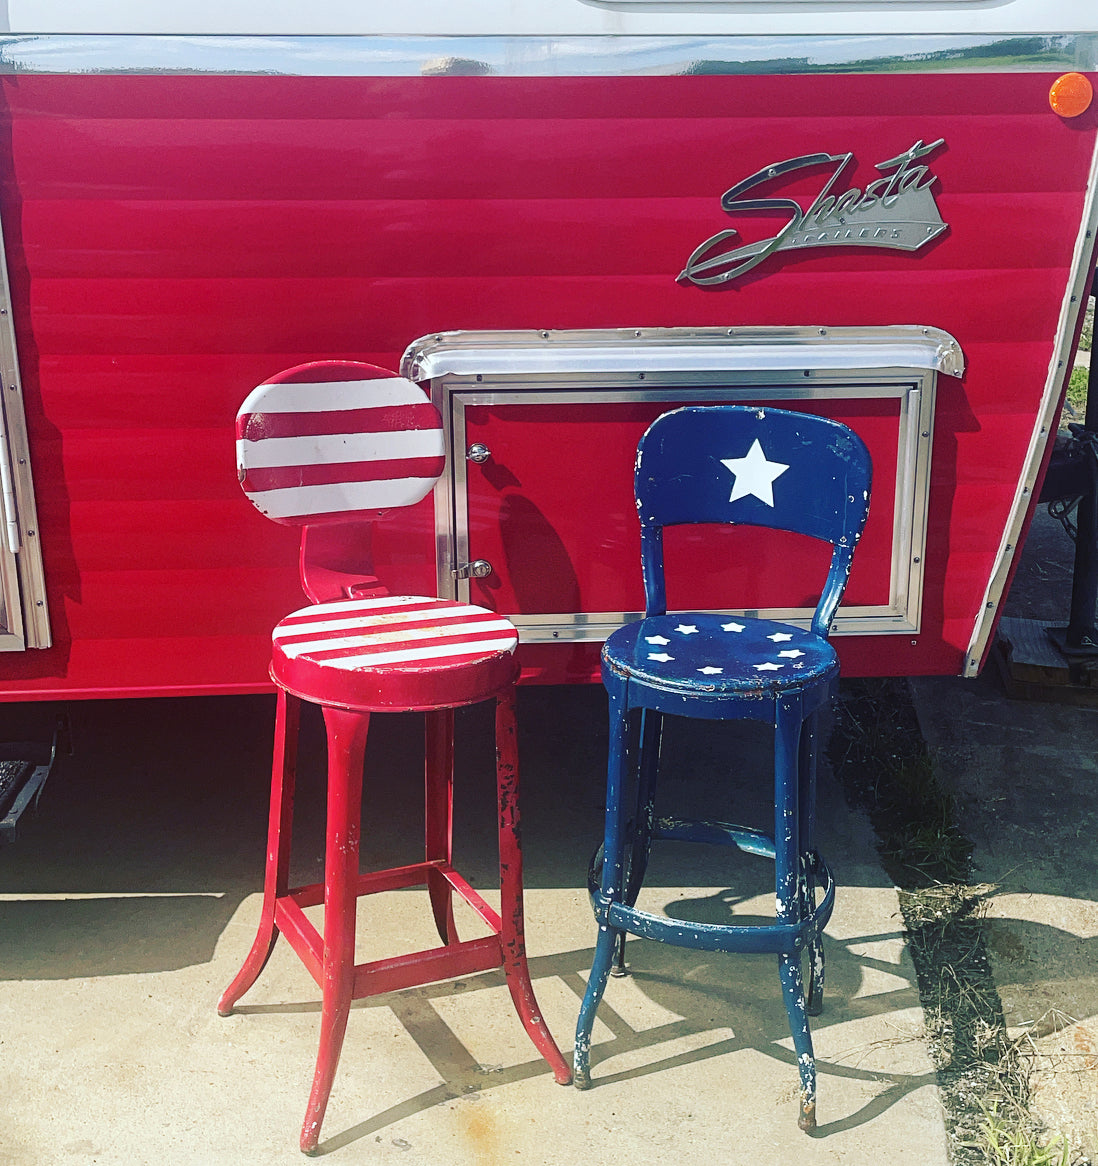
(896, 211)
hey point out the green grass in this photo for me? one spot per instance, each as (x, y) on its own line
(1077, 384)
(1077, 391)
(1007, 1142)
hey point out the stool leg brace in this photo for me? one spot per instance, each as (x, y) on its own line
(331, 958)
(618, 869)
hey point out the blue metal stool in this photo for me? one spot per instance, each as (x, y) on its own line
(728, 464)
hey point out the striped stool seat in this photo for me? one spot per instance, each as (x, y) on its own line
(402, 652)
(326, 446)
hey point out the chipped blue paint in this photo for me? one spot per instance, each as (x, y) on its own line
(792, 471)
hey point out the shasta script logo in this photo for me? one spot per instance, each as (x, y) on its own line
(896, 211)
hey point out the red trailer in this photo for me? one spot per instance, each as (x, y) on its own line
(562, 218)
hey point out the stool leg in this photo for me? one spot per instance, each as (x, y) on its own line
(279, 826)
(346, 733)
(605, 947)
(645, 766)
(439, 816)
(809, 740)
(512, 933)
(807, 768)
(789, 969)
(613, 873)
(816, 963)
(788, 875)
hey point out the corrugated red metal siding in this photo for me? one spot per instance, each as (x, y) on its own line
(174, 240)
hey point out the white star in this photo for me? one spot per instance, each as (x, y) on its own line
(754, 474)
(709, 670)
(656, 640)
(780, 637)
(687, 629)
(769, 666)
(661, 656)
(732, 627)
(790, 654)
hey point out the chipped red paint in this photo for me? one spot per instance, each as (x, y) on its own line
(329, 956)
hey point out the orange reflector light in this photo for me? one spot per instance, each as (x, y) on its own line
(1071, 95)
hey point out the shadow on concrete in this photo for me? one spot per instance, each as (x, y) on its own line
(152, 833)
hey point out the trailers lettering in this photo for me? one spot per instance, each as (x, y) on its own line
(896, 211)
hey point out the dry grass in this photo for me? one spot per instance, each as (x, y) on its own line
(984, 1074)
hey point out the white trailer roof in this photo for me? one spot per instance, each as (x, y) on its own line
(547, 18)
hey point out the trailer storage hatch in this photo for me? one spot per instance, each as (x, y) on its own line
(537, 518)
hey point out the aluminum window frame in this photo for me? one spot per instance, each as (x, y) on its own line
(25, 615)
(674, 366)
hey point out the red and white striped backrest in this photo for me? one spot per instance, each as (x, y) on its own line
(326, 441)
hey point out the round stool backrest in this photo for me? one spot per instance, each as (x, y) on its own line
(333, 440)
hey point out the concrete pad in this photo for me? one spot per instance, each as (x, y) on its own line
(1023, 773)
(130, 900)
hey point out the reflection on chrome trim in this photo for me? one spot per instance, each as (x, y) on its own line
(697, 351)
(566, 56)
(677, 366)
(24, 611)
(594, 627)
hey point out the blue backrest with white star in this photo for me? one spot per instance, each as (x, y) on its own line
(759, 466)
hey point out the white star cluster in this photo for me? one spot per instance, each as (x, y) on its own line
(792, 655)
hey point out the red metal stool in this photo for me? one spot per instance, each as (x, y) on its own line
(323, 443)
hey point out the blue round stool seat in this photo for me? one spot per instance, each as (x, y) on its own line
(719, 654)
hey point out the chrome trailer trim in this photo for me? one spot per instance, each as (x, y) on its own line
(24, 619)
(679, 365)
(547, 56)
(1073, 306)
